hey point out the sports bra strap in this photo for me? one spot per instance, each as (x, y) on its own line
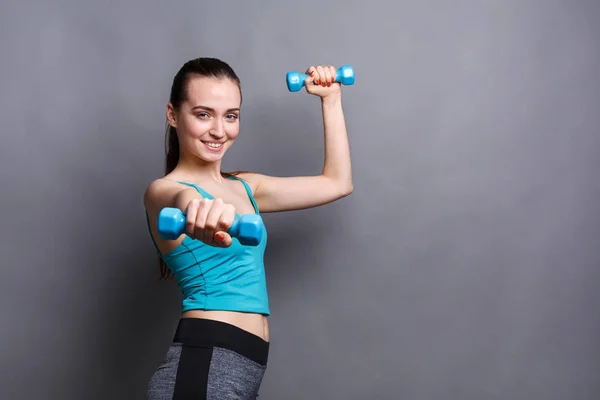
(203, 192)
(248, 192)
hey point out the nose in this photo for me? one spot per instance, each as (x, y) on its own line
(218, 129)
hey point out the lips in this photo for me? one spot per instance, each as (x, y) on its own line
(214, 146)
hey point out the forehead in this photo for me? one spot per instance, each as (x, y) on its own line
(212, 92)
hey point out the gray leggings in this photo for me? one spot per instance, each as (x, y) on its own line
(210, 360)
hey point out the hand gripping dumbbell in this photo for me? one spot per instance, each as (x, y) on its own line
(343, 75)
(248, 228)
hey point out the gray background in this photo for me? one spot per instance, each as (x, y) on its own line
(465, 265)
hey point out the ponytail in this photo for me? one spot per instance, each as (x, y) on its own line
(172, 149)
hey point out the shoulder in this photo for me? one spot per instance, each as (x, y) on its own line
(155, 189)
(253, 179)
(162, 191)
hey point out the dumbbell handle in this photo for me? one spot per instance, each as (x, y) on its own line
(295, 80)
(247, 228)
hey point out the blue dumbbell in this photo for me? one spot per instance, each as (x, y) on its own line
(343, 75)
(248, 228)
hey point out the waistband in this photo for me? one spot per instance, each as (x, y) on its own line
(202, 332)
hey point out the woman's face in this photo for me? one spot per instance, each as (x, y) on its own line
(207, 122)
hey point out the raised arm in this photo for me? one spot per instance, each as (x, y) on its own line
(275, 194)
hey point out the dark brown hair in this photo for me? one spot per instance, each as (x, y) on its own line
(204, 67)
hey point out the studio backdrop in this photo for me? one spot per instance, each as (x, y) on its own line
(465, 264)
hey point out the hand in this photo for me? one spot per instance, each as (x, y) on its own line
(321, 81)
(209, 220)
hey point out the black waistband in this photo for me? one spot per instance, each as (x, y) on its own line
(201, 332)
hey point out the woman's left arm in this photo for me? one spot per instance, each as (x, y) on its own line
(275, 194)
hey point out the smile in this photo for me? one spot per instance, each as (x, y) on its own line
(213, 146)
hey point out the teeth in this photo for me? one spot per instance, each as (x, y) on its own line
(214, 145)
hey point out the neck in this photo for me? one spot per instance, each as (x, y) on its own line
(199, 169)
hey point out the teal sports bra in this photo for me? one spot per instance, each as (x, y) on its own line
(213, 278)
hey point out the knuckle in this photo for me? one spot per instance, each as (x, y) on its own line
(210, 225)
(226, 221)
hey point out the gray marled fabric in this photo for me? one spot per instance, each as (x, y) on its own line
(162, 383)
(231, 376)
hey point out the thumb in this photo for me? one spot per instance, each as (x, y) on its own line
(310, 77)
(223, 239)
(308, 82)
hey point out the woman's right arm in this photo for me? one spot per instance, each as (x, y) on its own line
(206, 220)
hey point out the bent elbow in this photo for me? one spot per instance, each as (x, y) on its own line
(346, 190)
(338, 188)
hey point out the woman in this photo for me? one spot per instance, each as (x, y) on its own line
(221, 345)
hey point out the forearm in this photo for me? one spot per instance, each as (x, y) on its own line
(337, 165)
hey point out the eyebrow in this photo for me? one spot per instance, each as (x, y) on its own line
(201, 107)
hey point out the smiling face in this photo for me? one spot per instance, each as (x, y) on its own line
(207, 122)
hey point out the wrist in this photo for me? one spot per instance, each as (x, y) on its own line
(331, 99)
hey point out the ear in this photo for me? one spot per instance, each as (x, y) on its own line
(171, 115)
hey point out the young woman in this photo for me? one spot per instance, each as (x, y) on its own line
(221, 344)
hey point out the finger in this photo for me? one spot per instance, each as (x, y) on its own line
(191, 212)
(333, 73)
(200, 222)
(328, 78)
(226, 219)
(322, 75)
(222, 237)
(318, 78)
(212, 220)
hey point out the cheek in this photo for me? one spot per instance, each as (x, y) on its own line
(195, 127)
(232, 131)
